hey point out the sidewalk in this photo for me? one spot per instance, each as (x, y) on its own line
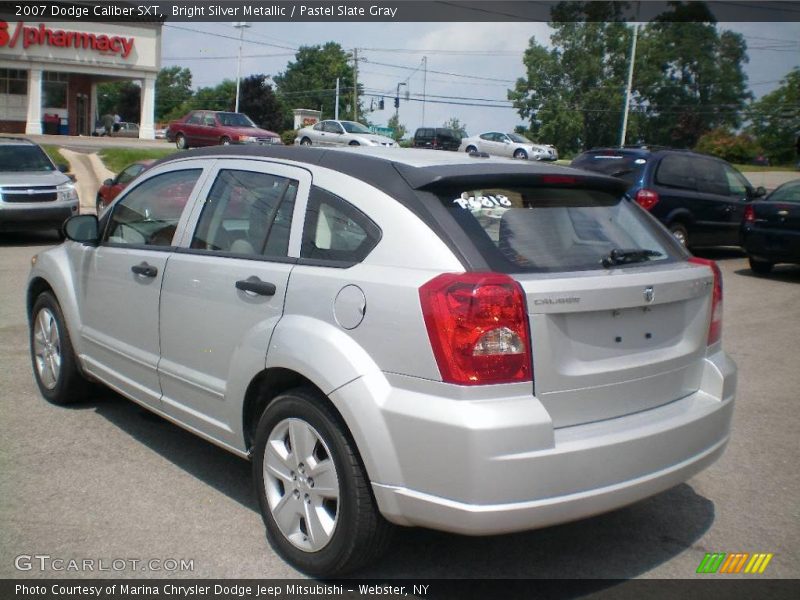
(90, 172)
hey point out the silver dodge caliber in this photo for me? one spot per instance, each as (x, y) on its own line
(395, 337)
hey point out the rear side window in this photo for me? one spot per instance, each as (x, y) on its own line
(677, 170)
(624, 166)
(247, 213)
(148, 215)
(555, 229)
(336, 231)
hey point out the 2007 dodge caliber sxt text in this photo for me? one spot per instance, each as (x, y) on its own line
(396, 337)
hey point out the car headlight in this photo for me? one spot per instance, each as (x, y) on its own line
(248, 139)
(67, 192)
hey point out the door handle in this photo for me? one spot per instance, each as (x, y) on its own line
(254, 285)
(145, 270)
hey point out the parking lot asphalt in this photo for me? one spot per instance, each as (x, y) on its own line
(106, 480)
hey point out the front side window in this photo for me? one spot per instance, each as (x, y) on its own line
(337, 231)
(711, 177)
(353, 127)
(247, 213)
(148, 215)
(737, 184)
(522, 229)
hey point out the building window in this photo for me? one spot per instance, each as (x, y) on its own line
(14, 81)
(54, 89)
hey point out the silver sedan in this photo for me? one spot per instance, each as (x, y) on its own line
(341, 133)
(510, 145)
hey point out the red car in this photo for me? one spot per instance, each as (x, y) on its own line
(112, 187)
(210, 128)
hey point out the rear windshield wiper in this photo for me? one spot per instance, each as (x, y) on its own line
(620, 256)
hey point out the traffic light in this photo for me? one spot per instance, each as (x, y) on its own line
(397, 101)
(380, 104)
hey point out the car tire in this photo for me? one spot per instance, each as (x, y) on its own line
(471, 149)
(305, 141)
(55, 366)
(349, 531)
(679, 231)
(225, 141)
(760, 267)
(180, 142)
(354, 143)
(520, 154)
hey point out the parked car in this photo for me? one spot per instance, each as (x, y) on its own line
(770, 231)
(699, 198)
(437, 138)
(509, 145)
(341, 133)
(121, 129)
(397, 336)
(112, 187)
(211, 128)
(34, 193)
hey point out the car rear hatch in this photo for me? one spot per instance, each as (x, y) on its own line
(619, 318)
(617, 342)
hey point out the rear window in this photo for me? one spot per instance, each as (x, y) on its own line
(520, 229)
(624, 166)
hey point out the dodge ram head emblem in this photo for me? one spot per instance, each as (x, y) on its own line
(649, 294)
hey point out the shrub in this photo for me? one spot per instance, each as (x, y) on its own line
(289, 136)
(736, 148)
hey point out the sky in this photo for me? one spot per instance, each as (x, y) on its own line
(467, 63)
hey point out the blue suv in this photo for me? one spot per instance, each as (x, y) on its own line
(699, 198)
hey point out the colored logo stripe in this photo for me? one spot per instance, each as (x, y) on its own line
(734, 562)
(711, 562)
(758, 563)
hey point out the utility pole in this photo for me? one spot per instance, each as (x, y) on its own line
(424, 82)
(629, 87)
(336, 105)
(240, 25)
(355, 84)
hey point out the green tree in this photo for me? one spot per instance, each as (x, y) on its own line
(258, 101)
(310, 81)
(572, 95)
(688, 77)
(456, 125)
(173, 89)
(399, 129)
(775, 119)
(219, 97)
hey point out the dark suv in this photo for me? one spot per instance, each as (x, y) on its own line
(437, 138)
(701, 199)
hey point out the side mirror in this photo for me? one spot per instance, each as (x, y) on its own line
(82, 228)
(108, 182)
(759, 192)
(63, 168)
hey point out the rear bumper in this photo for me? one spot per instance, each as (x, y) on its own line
(496, 466)
(772, 245)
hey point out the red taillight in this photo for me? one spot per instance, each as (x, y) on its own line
(478, 328)
(749, 214)
(647, 199)
(715, 328)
